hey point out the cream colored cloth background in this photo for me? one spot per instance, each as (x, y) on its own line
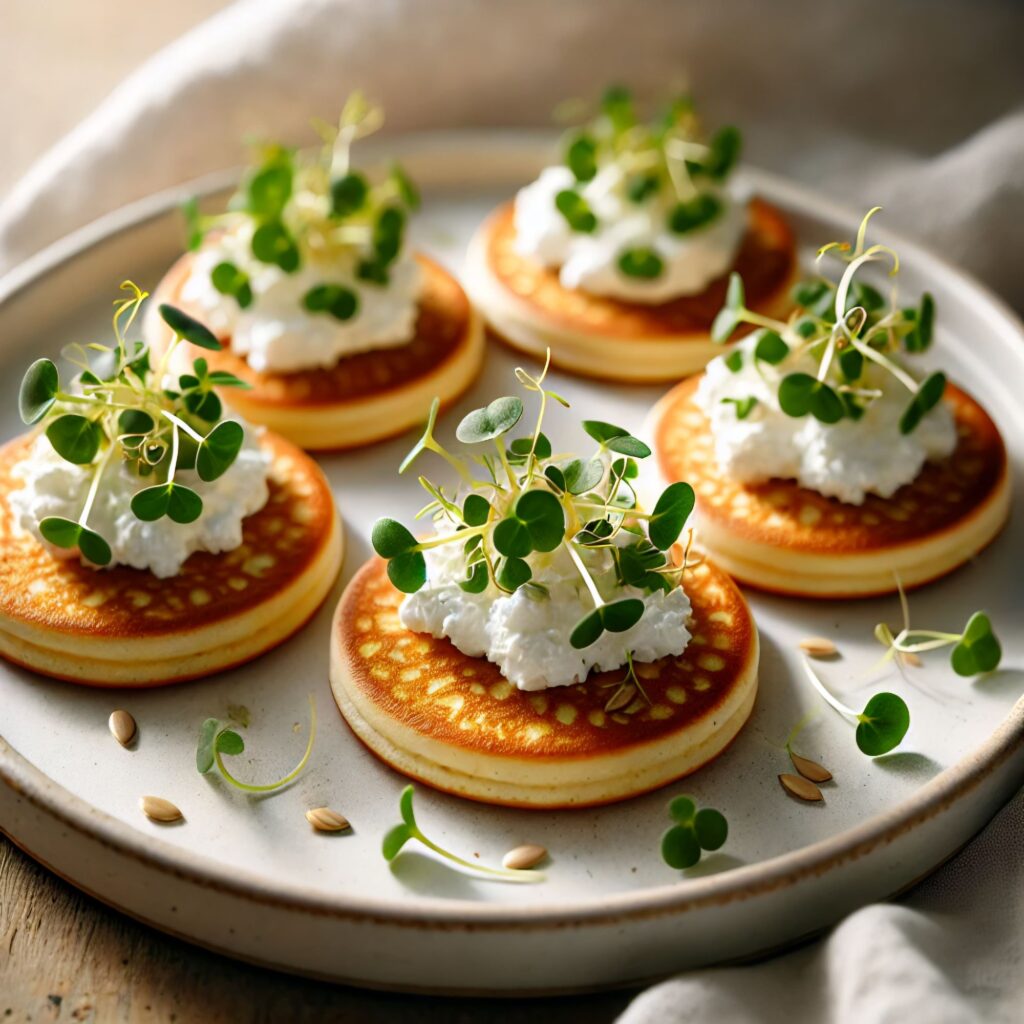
(915, 105)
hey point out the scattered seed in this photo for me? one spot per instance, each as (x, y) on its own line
(621, 697)
(911, 659)
(523, 857)
(801, 788)
(156, 808)
(323, 819)
(819, 647)
(122, 727)
(810, 769)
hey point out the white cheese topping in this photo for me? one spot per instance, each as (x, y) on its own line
(846, 460)
(276, 333)
(527, 634)
(589, 261)
(54, 487)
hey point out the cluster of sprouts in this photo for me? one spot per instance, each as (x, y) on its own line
(316, 209)
(666, 157)
(119, 407)
(847, 326)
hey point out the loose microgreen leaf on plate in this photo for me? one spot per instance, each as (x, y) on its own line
(693, 832)
(880, 727)
(974, 651)
(408, 830)
(217, 740)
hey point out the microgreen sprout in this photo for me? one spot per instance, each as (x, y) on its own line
(850, 331)
(693, 832)
(974, 650)
(521, 501)
(882, 724)
(314, 208)
(217, 739)
(667, 157)
(397, 837)
(119, 409)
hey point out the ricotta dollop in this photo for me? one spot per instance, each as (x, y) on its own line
(55, 487)
(526, 634)
(276, 333)
(589, 261)
(846, 460)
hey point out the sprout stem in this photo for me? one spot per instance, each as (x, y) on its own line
(252, 788)
(508, 874)
(829, 699)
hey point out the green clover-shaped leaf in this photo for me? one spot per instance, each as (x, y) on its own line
(205, 746)
(340, 302)
(582, 475)
(348, 194)
(641, 262)
(581, 157)
(75, 438)
(188, 327)
(770, 348)
(680, 848)
(882, 724)
(920, 336)
(723, 152)
(616, 617)
(512, 572)
(693, 213)
(229, 280)
(475, 510)
(670, 513)
(219, 450)
(229, 742)
(929, 394)
(978, 649)
(176, 501)
(616, 439)
(65, 533)
(270, 188)
(495, 419)
(800, 394)
(744, 406)
(39, 389)
(272, 243)
(576, 211)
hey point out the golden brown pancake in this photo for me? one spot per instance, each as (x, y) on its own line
(126, 627)
(454, 722)
(364, 397)
(527, 306)
(785, 538)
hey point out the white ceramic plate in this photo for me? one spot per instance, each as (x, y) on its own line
(248, 877)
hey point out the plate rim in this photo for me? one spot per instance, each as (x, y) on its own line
(936, 796)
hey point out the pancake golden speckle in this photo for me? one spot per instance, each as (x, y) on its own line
(453, 721)
(527, 306)
(126, 627)
(364, 397)
(785, 538)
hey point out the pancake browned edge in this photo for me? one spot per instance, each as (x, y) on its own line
(455, 723)
(784, 538)
(526, 305)
(363, 398)
(125, 627)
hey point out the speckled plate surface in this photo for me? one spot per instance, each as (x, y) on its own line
(247, 875)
